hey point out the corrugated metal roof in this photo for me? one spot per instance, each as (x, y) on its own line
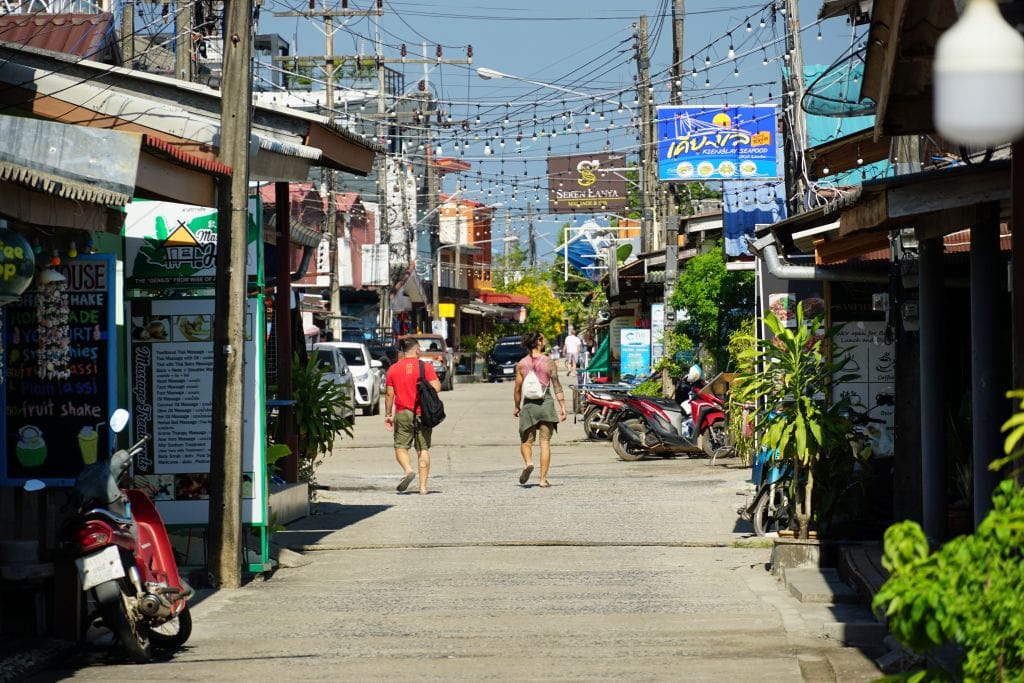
(86, 35)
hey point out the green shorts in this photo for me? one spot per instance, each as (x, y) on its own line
(406, 426)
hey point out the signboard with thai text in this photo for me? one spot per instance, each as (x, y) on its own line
(717, 143)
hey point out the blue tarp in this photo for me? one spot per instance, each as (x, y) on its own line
(586, 251)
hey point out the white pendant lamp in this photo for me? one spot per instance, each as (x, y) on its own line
(979, 78)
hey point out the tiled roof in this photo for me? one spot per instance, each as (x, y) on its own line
(90, 36)
(163, 148)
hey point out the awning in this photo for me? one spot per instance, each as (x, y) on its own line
(82, 164)
(600, 361)
(478, 307)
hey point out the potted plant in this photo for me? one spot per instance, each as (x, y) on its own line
(319, 416)
(790, 377)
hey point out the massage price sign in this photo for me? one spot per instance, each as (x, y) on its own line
(717, 143)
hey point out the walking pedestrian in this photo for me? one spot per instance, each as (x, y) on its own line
(401, 412)
(571, 349)
(538, 417)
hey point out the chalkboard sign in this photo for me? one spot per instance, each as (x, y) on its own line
(53, 423)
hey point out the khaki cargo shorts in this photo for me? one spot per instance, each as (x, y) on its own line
(406, 428)
(543, 429)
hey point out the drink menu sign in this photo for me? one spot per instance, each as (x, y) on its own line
(55, 420)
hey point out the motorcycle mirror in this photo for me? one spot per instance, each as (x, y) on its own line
(119, 420)
(33, 485)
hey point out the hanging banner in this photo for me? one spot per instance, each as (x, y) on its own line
(717, 143)
(589, 183)
(56, 407)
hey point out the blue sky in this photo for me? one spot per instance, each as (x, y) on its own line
(580, 46)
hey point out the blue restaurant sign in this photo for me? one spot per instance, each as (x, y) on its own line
(717, 143)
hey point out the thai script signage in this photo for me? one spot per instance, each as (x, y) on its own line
(587, 183)
(717, 143)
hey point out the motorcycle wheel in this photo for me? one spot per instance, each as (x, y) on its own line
(624, 450)
(132, 635)
(172, 634)
(714, 438)
(770, 512)
(594, 433)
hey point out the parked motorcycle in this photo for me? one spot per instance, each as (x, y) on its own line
(603, 407)
(770, 509)
(692, 422)
(124, 557)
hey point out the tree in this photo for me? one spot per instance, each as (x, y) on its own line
(545, 312)
(716, 300)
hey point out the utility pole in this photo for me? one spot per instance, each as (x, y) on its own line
(384, 314)
(225, 518)
(128, 34)
(797, 138)
(648, 153)
(183, 50)
(532, 235)
(671, 212)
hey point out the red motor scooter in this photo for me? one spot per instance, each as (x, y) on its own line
(124, 557)
(604, 406)
(657, 426)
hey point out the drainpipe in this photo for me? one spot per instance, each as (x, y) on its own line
(307, 256)
(767, 249)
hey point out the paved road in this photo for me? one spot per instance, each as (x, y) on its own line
(627, 571)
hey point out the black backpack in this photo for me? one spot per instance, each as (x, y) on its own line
(431, 407)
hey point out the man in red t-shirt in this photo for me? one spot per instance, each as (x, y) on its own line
(401, 411)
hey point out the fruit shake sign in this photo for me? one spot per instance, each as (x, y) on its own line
(717, 143)
(54, 419)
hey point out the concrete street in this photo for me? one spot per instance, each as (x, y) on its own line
(626, 571)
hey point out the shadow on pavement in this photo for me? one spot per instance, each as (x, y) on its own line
(328, 518)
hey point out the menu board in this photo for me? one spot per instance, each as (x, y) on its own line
(873, 360)
(171, 364)
(55, 424)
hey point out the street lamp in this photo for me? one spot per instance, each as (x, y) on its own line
(437, 266)
(492, 74)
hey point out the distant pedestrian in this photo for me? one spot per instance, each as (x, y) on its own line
(401, 413)
(571, 348)
(538, 417)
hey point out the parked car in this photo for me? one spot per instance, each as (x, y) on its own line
(330, 359)
(364, 373)
(501, 361)
(434, 349)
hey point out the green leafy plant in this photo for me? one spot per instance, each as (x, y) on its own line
(970, 592)
(650, 387)
(792, 374)
(320, 409)
(739, 414)
(469, 343)
(715, 299)
(275, 452)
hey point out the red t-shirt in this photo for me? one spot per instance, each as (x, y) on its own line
(402, 375)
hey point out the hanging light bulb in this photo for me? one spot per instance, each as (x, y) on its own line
(707, 82)
(761, 23)
(736, 71)
(979, 78)
(749, 27)
(732, 50)
(824, 170)
(819, 32)
(707, 59)
(750, 97)
(765, 60)
(487, 149)
(693, 68)
(438, 151)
